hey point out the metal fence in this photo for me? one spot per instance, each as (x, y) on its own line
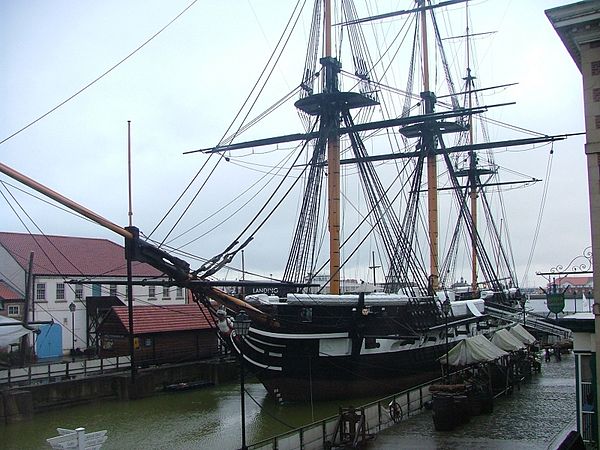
(379, 416)
(61, 370)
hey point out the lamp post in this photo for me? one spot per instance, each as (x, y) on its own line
(522, 302)
(72, 308)
(241, 325)
(446, 310)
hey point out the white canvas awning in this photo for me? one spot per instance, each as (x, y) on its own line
(11, 331)
(506, 341)
(522, 334)
(473, 350)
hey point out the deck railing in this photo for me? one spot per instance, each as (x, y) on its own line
(379, 416)
(60, 370)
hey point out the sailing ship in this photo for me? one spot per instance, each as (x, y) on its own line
(304, 344)
(332, 345)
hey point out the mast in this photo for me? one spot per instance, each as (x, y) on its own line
(472, 161)
(333, 159)
(429, 144)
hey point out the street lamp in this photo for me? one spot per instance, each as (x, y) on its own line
(72, 308)
(241, 325)
(446, 310)
(522, 302)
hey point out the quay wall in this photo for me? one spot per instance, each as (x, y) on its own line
(23, 402)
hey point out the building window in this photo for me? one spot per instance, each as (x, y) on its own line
(147, 342)
(179, 292)
(113, 290)
(96, 290)
(40, 291)
(13, 310)
(595, 67)
(60, 291)
(165, 291)
(152, 292)
(79, 291)
(1, 305)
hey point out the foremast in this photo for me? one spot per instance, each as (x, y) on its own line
(428, 143)
(332, 122)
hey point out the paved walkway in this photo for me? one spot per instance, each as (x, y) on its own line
(533, 417)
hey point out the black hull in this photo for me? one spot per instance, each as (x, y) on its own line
(352, 382)
(299, 369)
(342, 347)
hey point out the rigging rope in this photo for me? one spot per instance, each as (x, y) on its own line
(102, 75)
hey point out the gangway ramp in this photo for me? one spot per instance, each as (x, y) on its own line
(530, 320)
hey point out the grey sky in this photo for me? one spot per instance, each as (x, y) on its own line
(182, 89)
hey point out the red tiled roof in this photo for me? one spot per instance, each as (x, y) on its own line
(71, 256)
(8, 293)
(158, 319)
(574, 281)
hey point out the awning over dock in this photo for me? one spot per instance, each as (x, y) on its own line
(507, 341)
(473, 350)
(522, 334)
(11, 331)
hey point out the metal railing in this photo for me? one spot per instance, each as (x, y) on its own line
(380, 414)
(61, 370)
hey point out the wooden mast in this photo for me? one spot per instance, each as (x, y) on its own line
(333, 173)
(432, 195)
(473, 163)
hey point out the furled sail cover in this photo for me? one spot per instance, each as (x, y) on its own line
(522, 334)
(506, 341)
(10, 334)
(473, 350)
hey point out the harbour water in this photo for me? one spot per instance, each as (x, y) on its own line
(209, 418)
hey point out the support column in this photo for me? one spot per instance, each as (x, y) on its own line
(590, 67)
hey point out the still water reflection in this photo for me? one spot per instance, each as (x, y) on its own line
(203, 419)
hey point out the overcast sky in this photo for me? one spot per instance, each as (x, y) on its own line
(182, 89)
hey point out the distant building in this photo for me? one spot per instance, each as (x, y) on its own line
(99, 264)
(170, 334)
(347, 285)
(11, 302)
(574, 285)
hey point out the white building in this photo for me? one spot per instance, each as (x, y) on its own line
(56, 261)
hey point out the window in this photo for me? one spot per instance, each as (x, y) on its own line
(79, 291)
(113, 290)
(165, 291)
(1, 305)
(306, 315)
(179, 293)
(60, 291)
(147, 342)
(40, 291)
(13, 310)
(96, 290)
(152, 291)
